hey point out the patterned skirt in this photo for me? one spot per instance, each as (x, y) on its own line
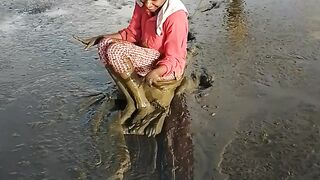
(118, 55)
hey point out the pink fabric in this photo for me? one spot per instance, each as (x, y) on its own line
(172, 43)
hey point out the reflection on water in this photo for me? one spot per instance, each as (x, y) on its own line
(112, 154)
(170, 154)
(236, 22)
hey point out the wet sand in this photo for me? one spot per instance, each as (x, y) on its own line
(259, 120)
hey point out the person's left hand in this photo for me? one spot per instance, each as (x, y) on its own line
(152, 77)
(155, 75)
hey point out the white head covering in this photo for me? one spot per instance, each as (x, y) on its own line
(168, 8)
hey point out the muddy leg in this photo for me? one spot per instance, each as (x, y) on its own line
(130, 107)
(133, 84)
(153, 122)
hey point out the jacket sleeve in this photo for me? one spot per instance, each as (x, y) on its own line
(133, 32)
(175, 30)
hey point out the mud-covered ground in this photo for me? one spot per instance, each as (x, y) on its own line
(260, 120)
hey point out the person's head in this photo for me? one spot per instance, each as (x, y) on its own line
(153, 5)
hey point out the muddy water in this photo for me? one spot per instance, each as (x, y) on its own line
(258, 121)
(265, 101)
(44, 77)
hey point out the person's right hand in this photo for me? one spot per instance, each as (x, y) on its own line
(89, 42)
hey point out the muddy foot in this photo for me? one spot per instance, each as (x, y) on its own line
(141, 114)
(140, 129)
(155, 127)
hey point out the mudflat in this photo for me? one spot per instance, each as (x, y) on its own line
(258, 120)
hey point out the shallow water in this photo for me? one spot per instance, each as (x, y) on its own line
(264, 55)
(44, 76)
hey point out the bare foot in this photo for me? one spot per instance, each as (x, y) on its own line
(142, 112)
(140, 129)
(155, 127)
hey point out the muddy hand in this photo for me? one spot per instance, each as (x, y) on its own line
(89, 42)
(152, 77)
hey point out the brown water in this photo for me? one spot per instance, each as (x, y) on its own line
(260, 120)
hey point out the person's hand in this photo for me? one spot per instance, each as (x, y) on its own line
(155, 75)
(89, 42)
(152, 77)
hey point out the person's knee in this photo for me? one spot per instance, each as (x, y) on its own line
(103, 43)
(117, 58)
(116, 51)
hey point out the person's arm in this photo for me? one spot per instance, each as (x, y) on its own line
(113, 36)
(175, 30)
(133, 32)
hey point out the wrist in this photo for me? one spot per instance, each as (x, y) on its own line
(108, 39)
(161, 70)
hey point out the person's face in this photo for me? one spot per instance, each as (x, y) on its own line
(153, 5)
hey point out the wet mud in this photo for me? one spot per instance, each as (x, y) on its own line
(170, 154)
(255, 115)
(265, 116)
